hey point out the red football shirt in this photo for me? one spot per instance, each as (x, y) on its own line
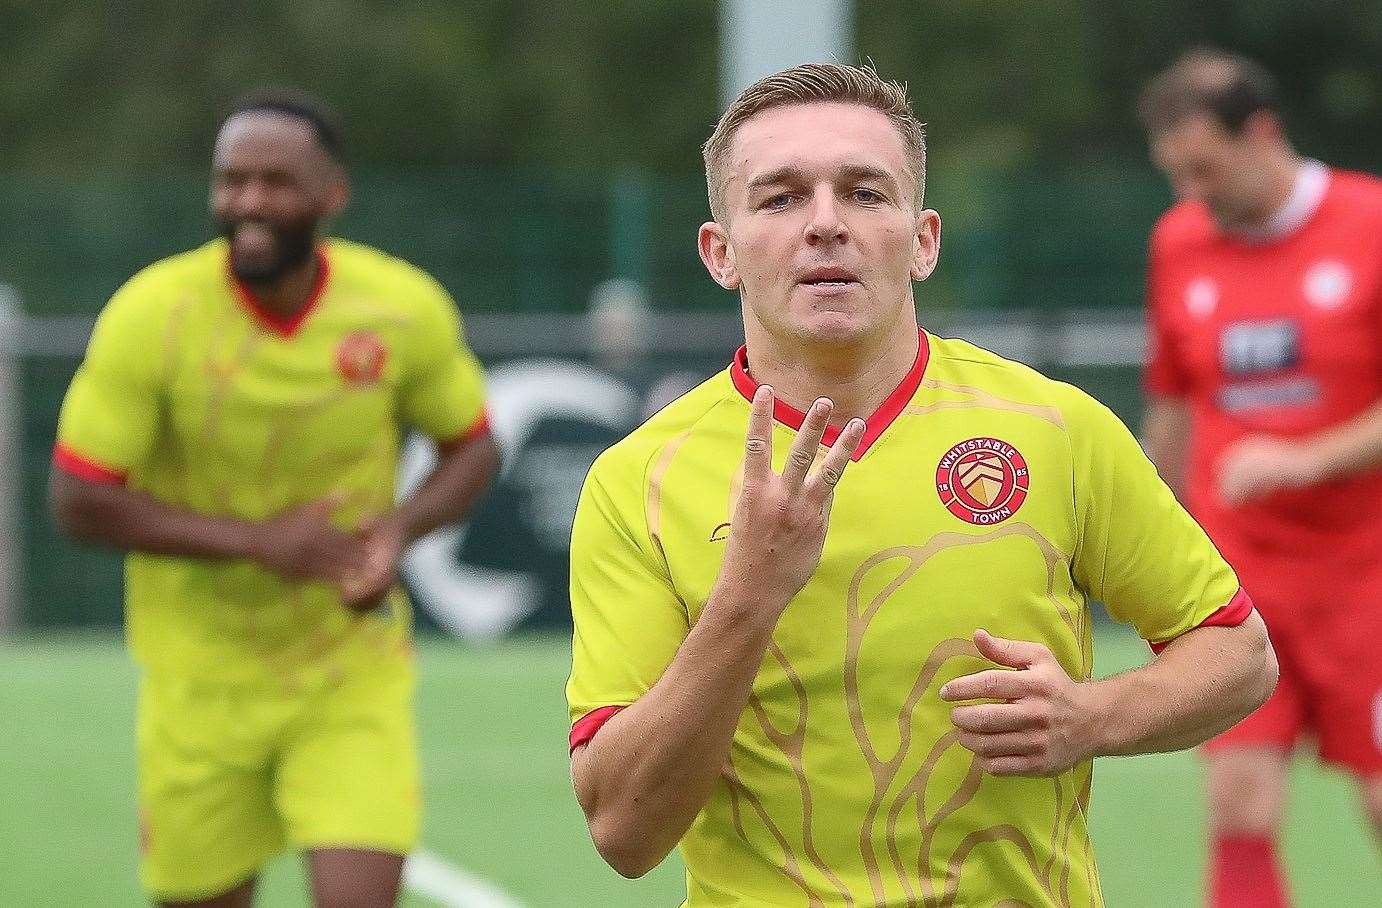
(1279, 335)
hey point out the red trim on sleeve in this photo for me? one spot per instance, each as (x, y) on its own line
(874, 426)
(286, 326)
(586, 726)
(1231, 615)
(69, 461)
(478, 429)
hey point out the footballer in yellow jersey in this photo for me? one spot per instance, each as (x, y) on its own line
(982, 495)
(848, 661)
(245, 451)
(191, 392)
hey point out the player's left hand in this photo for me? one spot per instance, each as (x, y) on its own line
(368, 582)
(1044, 724)
(1258, 465)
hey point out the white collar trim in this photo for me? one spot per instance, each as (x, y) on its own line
(1311, 184)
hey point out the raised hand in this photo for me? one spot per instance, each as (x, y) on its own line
(777, 531)
(1046, 723)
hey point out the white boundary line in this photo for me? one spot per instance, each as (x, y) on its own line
(428, 874)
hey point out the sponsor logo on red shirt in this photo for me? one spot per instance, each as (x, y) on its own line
(1201, 297)
(1327, 284)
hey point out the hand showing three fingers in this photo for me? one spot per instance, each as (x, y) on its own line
(777, 531)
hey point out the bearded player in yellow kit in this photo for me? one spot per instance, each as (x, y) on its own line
(831, 607)
(236, 425)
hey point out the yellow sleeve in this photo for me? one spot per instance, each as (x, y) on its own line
(1137, 549)
(110, 415)
(629, 621)
(443, 390)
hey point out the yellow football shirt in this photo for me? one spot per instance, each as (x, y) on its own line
(193, 393)
(983, 495)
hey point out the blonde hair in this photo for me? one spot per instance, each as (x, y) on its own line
(813, 83)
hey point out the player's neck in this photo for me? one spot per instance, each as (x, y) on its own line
(288, 294)
(1282, 173)
(857, 379)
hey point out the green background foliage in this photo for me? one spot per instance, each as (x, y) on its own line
(524, 151)
(610, 84)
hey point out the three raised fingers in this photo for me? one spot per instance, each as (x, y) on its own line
(808, 441)
(832, 466)
(796, 472)
(758, 445)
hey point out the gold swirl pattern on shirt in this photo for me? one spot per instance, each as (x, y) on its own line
(978, 397)
(221, 370)
(885, 770)
(792, 744)
(652, 506)
(914, 873)
(223, 365)
(791, 867)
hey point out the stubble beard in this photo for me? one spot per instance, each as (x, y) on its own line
(292, 248)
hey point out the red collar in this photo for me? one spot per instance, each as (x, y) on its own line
(284, 326)
(874, 426)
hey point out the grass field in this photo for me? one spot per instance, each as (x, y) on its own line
(499, 805)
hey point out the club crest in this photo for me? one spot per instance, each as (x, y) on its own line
(982, 481)
(360, 357)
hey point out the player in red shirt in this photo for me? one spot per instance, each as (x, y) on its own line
(1264, 387)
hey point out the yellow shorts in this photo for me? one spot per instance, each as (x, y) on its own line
(228, 778)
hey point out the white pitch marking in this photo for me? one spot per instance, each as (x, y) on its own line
(429, 875)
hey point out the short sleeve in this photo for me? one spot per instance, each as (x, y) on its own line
(1137, 549)
(109, 418)
(628, 620)
(442, 393)
(1165, 374)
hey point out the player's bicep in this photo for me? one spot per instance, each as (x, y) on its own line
(1141, 554)
(443, 389)
(109, 417)
(628, 620)
(447, 401)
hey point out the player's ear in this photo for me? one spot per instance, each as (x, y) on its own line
(718, 256)
(1263, 126)
(337, 196)
(926, 244)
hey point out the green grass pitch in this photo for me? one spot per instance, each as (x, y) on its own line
(498, 798)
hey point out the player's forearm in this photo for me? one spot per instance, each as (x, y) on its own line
(1203, 683)
(1166, 433)
(135, 521)
(1352, 447)
(463, 471)
(648, 772)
